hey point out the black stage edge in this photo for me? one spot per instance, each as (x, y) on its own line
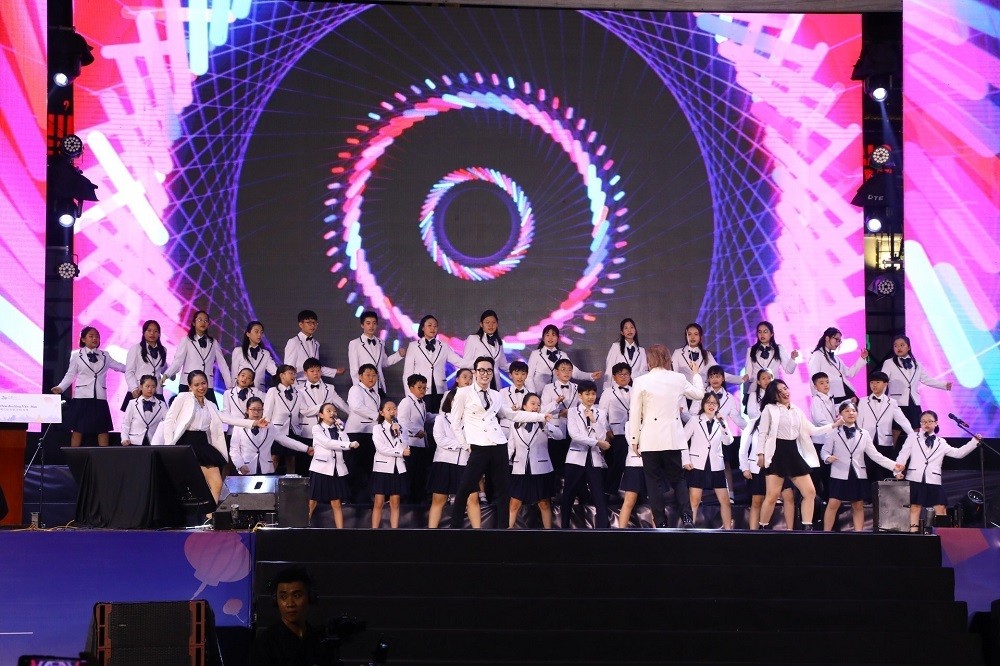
(629, 597)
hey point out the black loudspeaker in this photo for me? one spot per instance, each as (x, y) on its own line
(246, 501)
(891, 506)
(164, 633)
(293, 501)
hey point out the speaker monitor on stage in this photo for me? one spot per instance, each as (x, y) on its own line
(891, 506)
(251, 500)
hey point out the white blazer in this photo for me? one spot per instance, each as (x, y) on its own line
(835, 370)
(901, 381)
(413, 416)
(654, 421)
(540, 368)
(431, 364)
(703, 444)
(514, 401)
(260, 366)
(729, 407)
(135, 367)
(749, 448)
(179, 417)
(638, 362)
(246, 448)
(530, 446)
(769, 434)
(190, 356)
(876, 414)
(363, 404)
(311, 400)
(449, 449)
(615, 401)
(475, 424)
(925, 464)
(138, 423)
(388, 450)
(822, 410)
(233, 405)
(584, 436)
(771, 363)
(282, 413)
(328, 451)
(360, 352)
(550, 404)
(851, 452)
(91, 378)
(476, 346)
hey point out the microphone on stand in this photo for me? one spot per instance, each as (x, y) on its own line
(959, 421)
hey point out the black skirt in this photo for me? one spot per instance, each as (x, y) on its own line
(927, 494)
(531, 488)
(326, 488)
(787, 462)
(851, 489)
(390, 484)
(206, 454)
(445, 478)
(87, 416)
(706, 479)
(756, 485)
(633, 481)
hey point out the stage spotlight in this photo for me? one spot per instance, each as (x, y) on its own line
(972, 508)
(883, 285)
(873, 224)
(879, 93)
(67, 211)
(68, 53)
(68, 270)
(881, 156)
(72, 146)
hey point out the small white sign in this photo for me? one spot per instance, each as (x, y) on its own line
(30, 408)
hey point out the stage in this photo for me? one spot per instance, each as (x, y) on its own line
(532, 596)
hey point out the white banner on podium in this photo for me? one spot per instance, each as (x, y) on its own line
(30, 408)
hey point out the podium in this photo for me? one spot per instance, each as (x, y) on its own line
(12, 444)
(136, 487)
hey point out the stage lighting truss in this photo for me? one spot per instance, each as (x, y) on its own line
(68, 54)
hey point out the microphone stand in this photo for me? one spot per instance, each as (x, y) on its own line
(40, 454)
(982, 471)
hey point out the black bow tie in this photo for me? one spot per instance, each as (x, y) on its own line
(907, 363)
(829, 355)
(309, 338)
(243, 393)
(694, 356)
(147, 405)
(153, 351)
(765, 352)
(420, 401)
(92, 356)
(372, 341)
(553, 355)
(631, 353)
(491, 339)
(623, 388)
(314, 386)
(203, 342)
(529, 426)
(929, 440)
(718, 395)
(850, 431)
(372, 390)
(879, 400)
(564, 386)
(430, 344)
(289, 392)
(255, 351)
(518, 390)
(255, 430)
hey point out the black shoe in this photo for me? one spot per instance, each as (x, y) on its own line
(686, 520)
(764, 528)
(807, 527)
(662, 525)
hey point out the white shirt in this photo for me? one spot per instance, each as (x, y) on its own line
(362, 350)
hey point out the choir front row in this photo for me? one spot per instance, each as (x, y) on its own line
(385, 443)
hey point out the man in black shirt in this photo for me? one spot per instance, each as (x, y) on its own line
(292, 641)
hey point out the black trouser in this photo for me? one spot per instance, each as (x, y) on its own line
(616, 464)
(663, 470)
(417, 466)
(491, 460)
(359, 466)
(875, 471)
(576, 475)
